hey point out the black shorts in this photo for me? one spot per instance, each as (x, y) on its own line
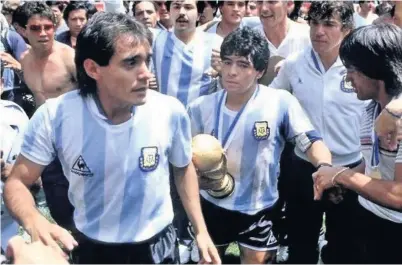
(160, 249)
(251, 231)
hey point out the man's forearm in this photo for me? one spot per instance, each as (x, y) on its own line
(384, 192)
(186, 181)
(319, 153)
(19, 201)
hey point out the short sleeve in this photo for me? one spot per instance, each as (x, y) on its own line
(180, 154)
(281, 81)
(38, 143)
(194, 113)
(295, 120)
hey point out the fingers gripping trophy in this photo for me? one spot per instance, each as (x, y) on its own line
(210, 162)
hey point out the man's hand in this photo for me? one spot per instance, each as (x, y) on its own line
(208, 252)
(35, 253)
(323, 180)
(278, 66)
(9, 61)
(50, 234)
(388, 127)
(216, 61)
(153, 84)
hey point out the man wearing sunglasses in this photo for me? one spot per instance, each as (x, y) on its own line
(49, 71)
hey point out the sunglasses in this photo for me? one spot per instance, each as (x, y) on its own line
(39, 28)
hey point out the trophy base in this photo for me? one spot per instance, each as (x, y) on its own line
(228, 185)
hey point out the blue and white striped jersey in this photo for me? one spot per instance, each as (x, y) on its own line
(13, 121)
(254, 147)
(118, 174)
(180, 68)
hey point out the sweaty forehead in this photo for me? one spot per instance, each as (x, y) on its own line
(127, 43)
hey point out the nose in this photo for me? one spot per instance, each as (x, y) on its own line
(319, 29)
(236, 7)
(145, 72)
(182, 10)
(232, 70)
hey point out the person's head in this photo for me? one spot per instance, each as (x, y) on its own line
(184, 15)
(372, 56)
(245, 56)
(76, 16)
(272, 13)
(9, 8)
(387, 14)
(365, 6)
(112, 55)
(251, 9)
(40, 28)
(330, 22)
(232, 11)
(57, 8)
(91, 9)
(383, 8)
(146, 12)
(210, 9)
(20, 20)
(164, 15)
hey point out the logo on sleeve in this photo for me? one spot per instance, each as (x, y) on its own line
(81, 168)
(149, 159)
(261, 131)
(346, 86)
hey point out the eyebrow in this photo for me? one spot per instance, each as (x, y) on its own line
(136, 57)
(239, 61)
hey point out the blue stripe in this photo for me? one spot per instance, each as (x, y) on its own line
(197, 117)
(166, 63)
(315, 60)
(185, 77)
(247, 166)
(93, 152)
(206, 79)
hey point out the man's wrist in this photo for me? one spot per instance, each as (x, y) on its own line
(323, 164)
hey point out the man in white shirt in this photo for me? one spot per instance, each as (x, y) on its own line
(364, 16)
(372, 56)
(115, 145)
(316, 77)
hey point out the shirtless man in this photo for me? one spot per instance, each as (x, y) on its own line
(48, 66)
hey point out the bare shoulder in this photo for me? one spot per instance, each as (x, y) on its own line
(63, 49)
(26, 57)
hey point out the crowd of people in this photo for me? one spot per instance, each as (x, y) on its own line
(101, 102)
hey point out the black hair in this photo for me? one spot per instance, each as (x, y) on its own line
(20, 16)
(249, 43)
(200, 6)
(59, 4)
(135, 3)
(376, 51)
(38, 8)
(220, 3)
(295, 14)
(72, 6)
(322, 10)
(97, 39)
(91, 9)
(383, 9)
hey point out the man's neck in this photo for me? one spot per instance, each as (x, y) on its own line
(185, 36)
(278, 33)
(42, 54)
(364, 14)
(116, 112)
(328, 59)
(235, 101)
(224, 28)
(383, 98)
(166, 23)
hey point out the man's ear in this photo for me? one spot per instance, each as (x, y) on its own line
(92, 69)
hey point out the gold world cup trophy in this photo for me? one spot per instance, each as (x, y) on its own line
(210, 162)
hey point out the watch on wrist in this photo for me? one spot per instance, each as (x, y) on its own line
(323, 165)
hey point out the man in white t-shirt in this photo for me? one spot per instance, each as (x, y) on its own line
(115, 140)
(372, 56)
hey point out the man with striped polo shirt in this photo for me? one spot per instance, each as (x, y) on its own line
(115, 141)
(317, 78)
(373, 58)
(252, 122)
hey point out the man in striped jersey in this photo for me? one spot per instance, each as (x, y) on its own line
(253, 122)
(316, 77)
(373, 59)
(182, 57)
(115, 141)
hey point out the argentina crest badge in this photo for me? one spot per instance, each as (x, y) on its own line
(261, 131)
(346, 86)
(149, 159)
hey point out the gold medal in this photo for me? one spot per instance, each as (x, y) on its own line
(375, 173)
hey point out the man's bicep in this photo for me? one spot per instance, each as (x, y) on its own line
(26, 170)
